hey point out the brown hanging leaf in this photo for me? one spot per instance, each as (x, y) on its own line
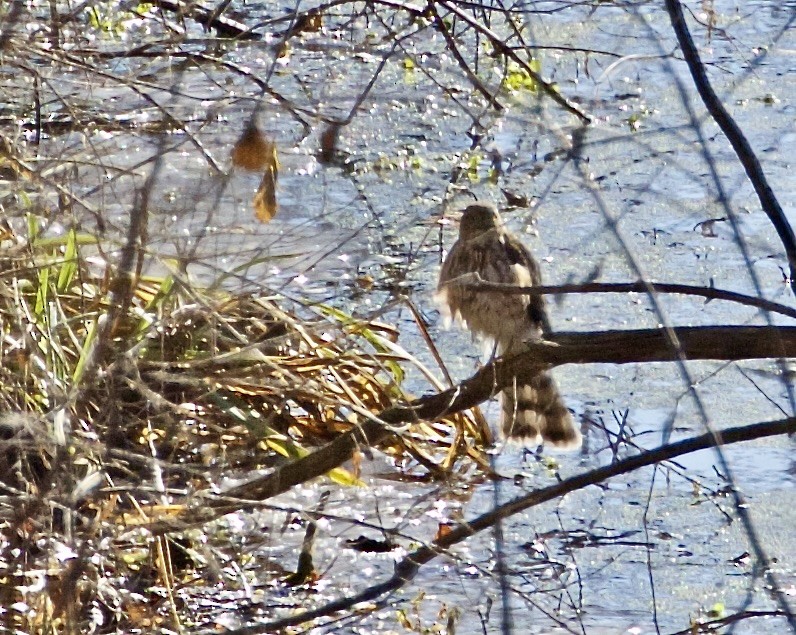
(265, 199)
(443, 529)
(253, 151)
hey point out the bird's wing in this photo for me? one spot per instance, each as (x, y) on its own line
(526, 272)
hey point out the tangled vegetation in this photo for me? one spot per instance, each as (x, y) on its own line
(202, 386)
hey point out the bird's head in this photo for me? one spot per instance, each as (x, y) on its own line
(477, 219)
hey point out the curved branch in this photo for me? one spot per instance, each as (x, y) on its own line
(735, 136)
(407, 569)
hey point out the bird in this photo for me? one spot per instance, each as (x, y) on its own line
(532, 412)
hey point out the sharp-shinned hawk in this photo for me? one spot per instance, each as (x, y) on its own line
(486, 250)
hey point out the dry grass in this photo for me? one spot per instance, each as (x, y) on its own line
(201, 387)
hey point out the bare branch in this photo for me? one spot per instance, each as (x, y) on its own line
(735, 136)
(407, 569)
(454, 50)
(711, 293)
(501, 46)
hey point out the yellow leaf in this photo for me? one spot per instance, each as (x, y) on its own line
(265, 199)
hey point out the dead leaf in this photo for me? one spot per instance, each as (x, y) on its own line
(141, 615)
(370, 545)
(145, 514)
(516, 200)
(708, 226)
(265, 199)
(365, 282)
(308, 576)
(253, 151)
(356, 463)
(443, 529)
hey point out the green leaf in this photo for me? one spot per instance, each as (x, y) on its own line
(519, 78)
(85, 351)
(166, 285)
(342, 476)
(42, 293)
(68, 269)
(33, 227)
(717, 610)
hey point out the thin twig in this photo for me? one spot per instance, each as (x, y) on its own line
(501, 46)
(711, 293)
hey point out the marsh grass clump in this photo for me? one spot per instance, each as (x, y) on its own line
(195, 387)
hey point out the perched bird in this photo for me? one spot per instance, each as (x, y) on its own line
(532, 412)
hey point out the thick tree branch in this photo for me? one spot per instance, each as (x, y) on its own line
(612, 347)
(650, 345)
(735, 136)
